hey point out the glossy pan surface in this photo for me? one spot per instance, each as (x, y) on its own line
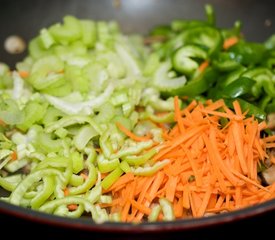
(26, 18)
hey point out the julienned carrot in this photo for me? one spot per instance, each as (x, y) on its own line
(203, 66)
(212, 168)
(23, 74)
(131, 134)
(229, 42)
(2, 123)
(14, 155)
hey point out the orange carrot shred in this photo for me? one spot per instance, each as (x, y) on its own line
(212, 167)
(14, 155)
(229, 42)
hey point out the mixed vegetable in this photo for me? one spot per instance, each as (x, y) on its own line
(135, 128)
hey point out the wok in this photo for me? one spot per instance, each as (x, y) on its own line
(26, 18)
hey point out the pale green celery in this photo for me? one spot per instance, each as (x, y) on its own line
(97, 75)
(149, 170)
(140, 159)
(104, 34)
(25, 64)
(58, 91)
(63, 211)
(65, 149)
(72, 120)
(76, 180)
(52, 115)
(36, 49)
(47, 72)
(89, 182)
(50, 206)
(5, 77)
(84, 135)
(67, 32)
(61, 132)
(9, 183)
(45, 193)
(4, 162)
(111, 178)
(151, 64)
(4, 153)
(78, 61)
(134, 118)
(46, 144)
(167, 209)
(59, 188)
(73, 74)
(112, 63)
(105, 199)
(78, 161)
(78, 49)
(14, 166)
(136, 148)
(100, 215)
(46, 38)
(125, 166)
(89, 32)
(17, 195)
(128, 60)
(167, 118)
(116, 137)
(105, 114)
(157, 134)
(94, 194)
(58, 162)
(33, 113)
(86, 107)
(124, 121)
(105, 144)
(162, 105)
(119, 98)
(155, 211)
(127, 109)
(135, 94)
(91, 154)
(151, 96)
(5, 143)
(18, 86)
(10, 112)
(106, 165)
(144, 127)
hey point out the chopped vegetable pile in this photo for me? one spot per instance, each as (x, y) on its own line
(133, 128)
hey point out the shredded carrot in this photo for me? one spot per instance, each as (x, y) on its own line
(229, 42)
(14, 155)
(72, 207)
(23, 74)
(212, 168)
(130, 134)
(2, 123)
(203, 66)
(66, 192)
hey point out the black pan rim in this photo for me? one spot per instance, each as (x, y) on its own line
(87, 224)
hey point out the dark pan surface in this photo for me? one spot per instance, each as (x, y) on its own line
(26, 18)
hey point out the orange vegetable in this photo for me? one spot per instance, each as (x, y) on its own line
(203, 66)
(14, 155)
(229, 42)
(130, 134)
(23, 74)
(212, 167)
